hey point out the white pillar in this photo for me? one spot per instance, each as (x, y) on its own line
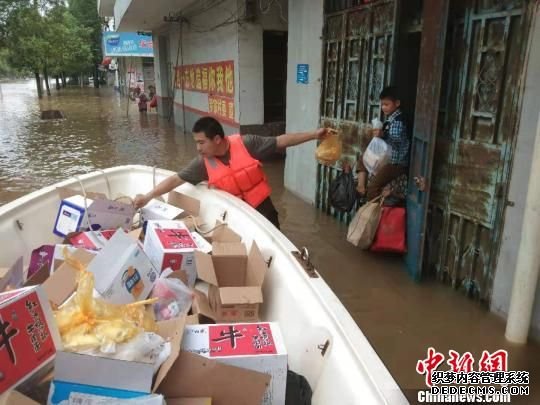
(528, 265)
(116, 80)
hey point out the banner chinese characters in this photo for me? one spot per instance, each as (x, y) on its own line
(216, 78)
(221, 107)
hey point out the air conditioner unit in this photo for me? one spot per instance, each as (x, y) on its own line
(251, 10)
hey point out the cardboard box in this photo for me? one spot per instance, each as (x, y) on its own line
(190, 205)
(16, 398)
(29, 337)
(222, 233)
(76, 373)
(253, 346)
(13, 277)
(70, 215)
(91, 240)
(235, 283)
(108, 214)
(49, 257)
(169, 244)
(123, 273)
(159, 210)
(230, 260)
(84, 398)
(94, 375)
(195, 376)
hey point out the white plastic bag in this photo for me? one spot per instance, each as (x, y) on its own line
(377, 155)
(174, 297)
(376, 123)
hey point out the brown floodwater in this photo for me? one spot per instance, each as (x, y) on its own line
(400, 318)
(100, 130)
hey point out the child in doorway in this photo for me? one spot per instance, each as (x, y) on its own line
(394, 132)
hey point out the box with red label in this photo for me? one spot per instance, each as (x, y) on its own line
(91, 240)
(169, 244)
(29, 338)
(253, 346)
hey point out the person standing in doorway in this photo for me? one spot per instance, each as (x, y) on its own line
(232, 164)
(395, 133)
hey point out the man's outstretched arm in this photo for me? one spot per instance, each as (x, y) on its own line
(169, 184)
(286, 140)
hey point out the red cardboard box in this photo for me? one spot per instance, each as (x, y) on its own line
(29, 338)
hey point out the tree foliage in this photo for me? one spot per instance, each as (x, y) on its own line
(55, 36)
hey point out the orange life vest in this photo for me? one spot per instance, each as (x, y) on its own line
(243, 177)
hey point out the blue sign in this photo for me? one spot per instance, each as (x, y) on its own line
(127, 44)
(302, 73)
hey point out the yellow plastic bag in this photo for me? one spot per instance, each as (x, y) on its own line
(89, 323)
(329, 151)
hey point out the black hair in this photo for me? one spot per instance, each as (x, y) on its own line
(391, 93)
(210, 126)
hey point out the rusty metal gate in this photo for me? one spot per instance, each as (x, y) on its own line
(485, 54)
(358, 63)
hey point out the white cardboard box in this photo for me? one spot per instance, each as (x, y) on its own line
(169, 244)
(108, 214)
(253, 346)
(159, 210)
(123, 273)
(70, 215)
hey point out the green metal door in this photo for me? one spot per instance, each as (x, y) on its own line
(358, 62)
(479, 105)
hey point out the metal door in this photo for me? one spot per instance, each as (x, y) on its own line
(358, 63)
(479, 108)
(435, 16)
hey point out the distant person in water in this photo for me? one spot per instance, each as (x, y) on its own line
(143, 100)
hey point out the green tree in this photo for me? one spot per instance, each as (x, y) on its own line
(71, 52)
(25, 40)
(85, 12)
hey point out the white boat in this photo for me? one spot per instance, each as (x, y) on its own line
(323, 341)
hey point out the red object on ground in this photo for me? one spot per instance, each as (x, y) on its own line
(391, 233)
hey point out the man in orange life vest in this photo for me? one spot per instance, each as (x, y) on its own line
(232, 163)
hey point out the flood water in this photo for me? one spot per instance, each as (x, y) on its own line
(99, 131)
(400, 318)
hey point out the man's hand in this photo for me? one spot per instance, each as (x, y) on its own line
(322, 133)
(141, 200)
(377, 133)
(387, 191)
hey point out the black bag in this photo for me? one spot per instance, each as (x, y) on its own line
(343, 192)
(298, 391)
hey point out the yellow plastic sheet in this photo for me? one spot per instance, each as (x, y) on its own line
(329, 151)
(88, 323)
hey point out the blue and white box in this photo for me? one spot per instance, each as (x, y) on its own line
(70, 215)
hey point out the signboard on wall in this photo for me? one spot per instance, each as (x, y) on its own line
(127, 44)
(216, 78)
(302, 73)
